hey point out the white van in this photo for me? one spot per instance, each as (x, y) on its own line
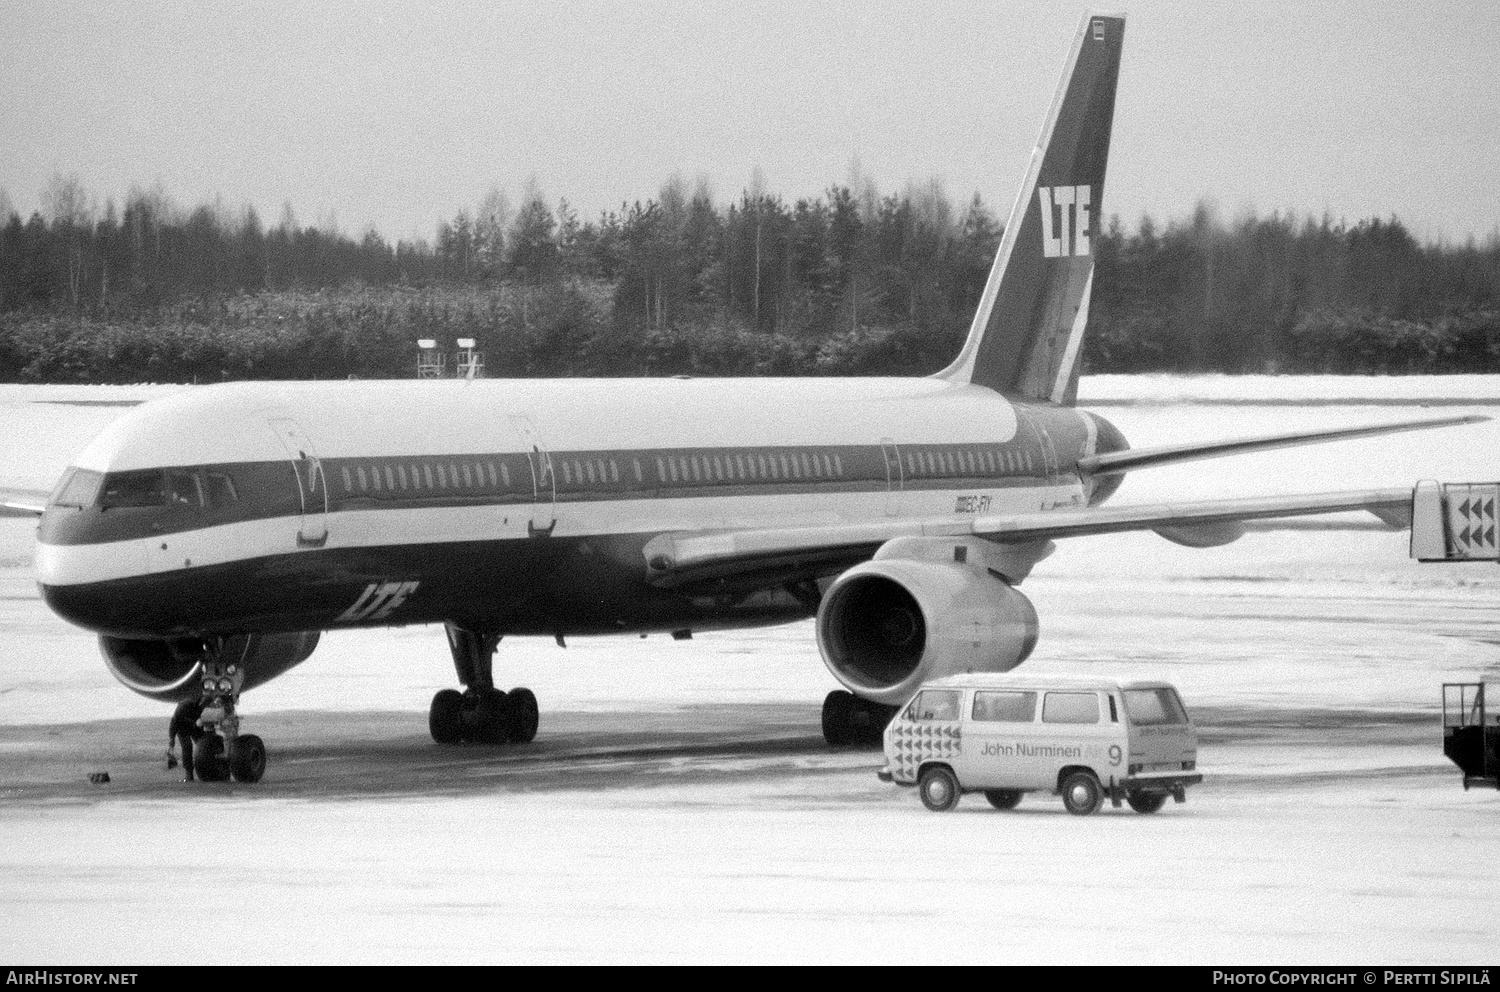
(1006, 735)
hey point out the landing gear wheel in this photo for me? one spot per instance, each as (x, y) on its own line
(1003, 798)
(445, 718)
(524, 715)
(938, 788)
(1145, 802)
(247, 758)
(838, 713)
(208, 759)
(490, 719)
(1082, 794)
(868, 720)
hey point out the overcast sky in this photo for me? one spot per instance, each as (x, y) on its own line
(398, 114)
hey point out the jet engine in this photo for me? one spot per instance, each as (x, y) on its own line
(159, 669)
(924, 608)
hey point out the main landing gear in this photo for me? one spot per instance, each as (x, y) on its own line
(850, 720)
(481, 714)
(223, 752)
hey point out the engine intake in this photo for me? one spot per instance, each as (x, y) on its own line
(153, 669)
(892, 623)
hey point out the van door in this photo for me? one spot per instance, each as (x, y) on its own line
(998, 732)
(1161, 737)
(312, 486)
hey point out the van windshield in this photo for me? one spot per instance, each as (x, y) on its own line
(936, 704)
(1154, 707)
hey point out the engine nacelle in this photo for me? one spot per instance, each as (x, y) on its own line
(921, 609)
(153, 669)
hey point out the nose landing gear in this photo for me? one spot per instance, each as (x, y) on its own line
(223, 752)
(481, 714)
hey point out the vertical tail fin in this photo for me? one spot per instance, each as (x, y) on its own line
(1028, 331)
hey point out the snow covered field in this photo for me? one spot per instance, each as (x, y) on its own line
(1330, 828)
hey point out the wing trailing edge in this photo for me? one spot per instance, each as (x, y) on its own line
(1135, 458)
(766, 554)
(22, 502)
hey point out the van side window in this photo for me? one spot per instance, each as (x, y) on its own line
(936, 704)
(1154, 707)
(1005, 707)
(1071, 707)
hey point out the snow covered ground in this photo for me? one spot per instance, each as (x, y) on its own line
(1330, 828)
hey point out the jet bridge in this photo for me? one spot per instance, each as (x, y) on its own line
(1455, 521)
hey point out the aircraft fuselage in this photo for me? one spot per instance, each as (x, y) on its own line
(518, 506)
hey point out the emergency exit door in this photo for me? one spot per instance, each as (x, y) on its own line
(312, 485)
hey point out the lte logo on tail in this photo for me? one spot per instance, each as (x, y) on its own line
(1057, 228)
(378, 601)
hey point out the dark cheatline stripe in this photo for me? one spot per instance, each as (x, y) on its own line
(278, 489)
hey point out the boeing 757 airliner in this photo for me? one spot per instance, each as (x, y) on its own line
(209, 537)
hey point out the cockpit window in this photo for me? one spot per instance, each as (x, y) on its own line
(79, 487)
(183, 487)
(220, 489)
(142, 488)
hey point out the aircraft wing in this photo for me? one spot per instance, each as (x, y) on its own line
(1134, 458)
(22, 502)
(757, 556)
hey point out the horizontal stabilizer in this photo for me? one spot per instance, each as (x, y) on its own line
(1125, 461)
(22, 502)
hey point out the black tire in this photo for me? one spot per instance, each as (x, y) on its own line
(938, 788)
(838, 712)
(1003, 798)
(247, 758)
(1082, 794)
(524, 716)
(867, 722)
(208, 759)
(490, 719)
(445, 717)
(1145, 802)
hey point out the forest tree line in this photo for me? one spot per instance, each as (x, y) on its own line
(852, 282)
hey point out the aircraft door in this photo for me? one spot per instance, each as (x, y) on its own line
(312, 485)
(543, 479)
(1046, 450)
(895, 479)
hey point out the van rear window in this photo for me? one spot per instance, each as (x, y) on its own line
(936, 704)
(1005, 707)
(1071, 707)
(1154, 707)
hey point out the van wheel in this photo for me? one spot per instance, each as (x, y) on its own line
(1145, 802)
(1081, 793)
(1003, 798)
(938, 788)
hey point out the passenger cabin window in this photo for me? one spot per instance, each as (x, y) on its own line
(1154, 707)
(1071, 707)
(80, 487)
(132, 489)
(1005, 707)
(936, 704)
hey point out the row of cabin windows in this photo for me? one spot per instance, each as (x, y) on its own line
(576, 473)
(776, 466)
(425, 476)
(965, 461)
